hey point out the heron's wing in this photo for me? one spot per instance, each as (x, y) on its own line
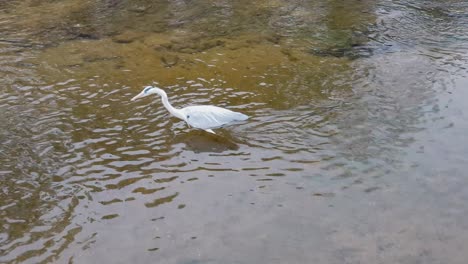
(207, 116)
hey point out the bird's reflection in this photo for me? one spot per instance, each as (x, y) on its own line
(200, 141)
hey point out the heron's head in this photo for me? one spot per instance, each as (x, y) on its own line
(146, 91)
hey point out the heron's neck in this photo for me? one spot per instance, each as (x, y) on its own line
(174, 111)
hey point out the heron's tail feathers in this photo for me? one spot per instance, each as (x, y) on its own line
(240, 117)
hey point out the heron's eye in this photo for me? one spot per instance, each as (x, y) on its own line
(146, 89)
(188, 117)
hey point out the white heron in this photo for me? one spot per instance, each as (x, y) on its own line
(206, 117)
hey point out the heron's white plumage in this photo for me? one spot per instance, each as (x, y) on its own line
(209, 117)
(206, 117)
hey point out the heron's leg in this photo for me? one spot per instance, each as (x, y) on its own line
(210, 131)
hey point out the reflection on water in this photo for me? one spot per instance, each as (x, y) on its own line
(198, 141)
(353, 153)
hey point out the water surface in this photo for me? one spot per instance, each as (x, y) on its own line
(354, 152)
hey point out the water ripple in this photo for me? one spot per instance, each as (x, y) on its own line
(337, 95)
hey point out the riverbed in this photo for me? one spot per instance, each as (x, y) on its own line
(354, 152)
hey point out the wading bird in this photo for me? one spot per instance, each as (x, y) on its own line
(206, 117)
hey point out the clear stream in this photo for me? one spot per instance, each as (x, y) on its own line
(356, 150)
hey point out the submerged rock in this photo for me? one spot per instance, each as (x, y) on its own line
(127, 37)
(169, 60)
(139, 8)
(194, 46)
(352, 52)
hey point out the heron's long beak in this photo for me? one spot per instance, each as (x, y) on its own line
(138, 96)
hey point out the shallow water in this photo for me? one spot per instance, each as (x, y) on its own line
(354, 152)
